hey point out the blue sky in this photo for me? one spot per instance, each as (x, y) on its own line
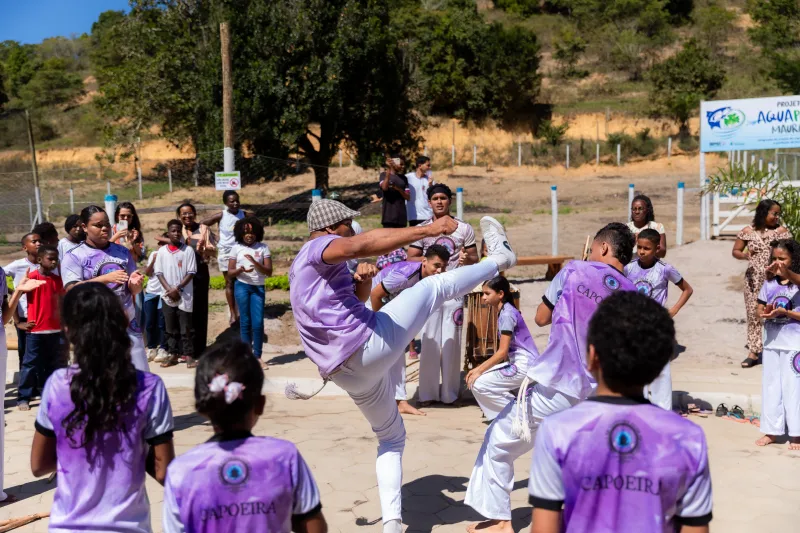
(31, 21)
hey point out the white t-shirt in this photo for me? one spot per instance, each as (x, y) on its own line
(782, 333)
(64, 246)
(174, 265)
(259, 251)
(462, 237)
(418, 207)
(226, 223)
(17, 270)
(153, 285)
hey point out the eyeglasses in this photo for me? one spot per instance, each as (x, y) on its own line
(638, 209)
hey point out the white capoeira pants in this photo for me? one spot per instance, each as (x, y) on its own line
(659, 392)
(399, 379)
(441, 354)
(492, 480)
(492, 390)
(780, 392)
(366, 375)
(138, 352)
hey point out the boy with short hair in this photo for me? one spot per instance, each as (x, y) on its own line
(616, 462)
(75, 235)
(17, 270)
(43, 352)
(652, 277)
(175, 267)
(47, 233)
(154, 325)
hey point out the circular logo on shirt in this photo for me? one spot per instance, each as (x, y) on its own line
(644, 287)
(782, 302)
(447, 242)
(508, 371)
(623, 438)
(796, 363)
(234, 472)
(458, 316)
(611, 282)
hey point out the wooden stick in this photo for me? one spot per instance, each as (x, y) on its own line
(14, 523)
(587, 247)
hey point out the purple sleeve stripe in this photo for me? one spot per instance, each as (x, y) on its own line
(44, 431)
(694, 521)
(542, 503)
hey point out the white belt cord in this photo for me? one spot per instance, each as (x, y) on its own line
(292, 393)
(520, 427)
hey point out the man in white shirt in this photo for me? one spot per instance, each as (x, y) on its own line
(418, 208)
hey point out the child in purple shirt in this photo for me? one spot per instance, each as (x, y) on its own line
(652, 277)
(616, 462)
(235, 481)
(101, 424)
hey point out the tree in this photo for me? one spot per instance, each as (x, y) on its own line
(333, 63)
(714, 24)
(553, 134)
(682, 81)
(777, 32)
(51, 84)
(519, 7)
(569, 47)
(20, 66)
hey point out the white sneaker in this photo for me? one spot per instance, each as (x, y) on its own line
(497, 245)
(151, 354)
(161, 356)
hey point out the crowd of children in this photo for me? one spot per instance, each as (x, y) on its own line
(609, 453)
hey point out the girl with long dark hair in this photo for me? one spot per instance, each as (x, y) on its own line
(643, 217)
(101, 424)
(130, 236)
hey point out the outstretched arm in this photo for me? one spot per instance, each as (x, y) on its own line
(384, 240)
(213, 219)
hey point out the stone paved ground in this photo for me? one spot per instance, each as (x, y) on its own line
(755, 489)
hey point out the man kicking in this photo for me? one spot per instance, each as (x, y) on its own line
(558, 378)
(390, 282)
(355, 347)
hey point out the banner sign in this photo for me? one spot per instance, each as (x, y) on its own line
(750, 124)
(228, 181)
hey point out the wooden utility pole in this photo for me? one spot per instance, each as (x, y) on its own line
(227, 97)
(35, 168)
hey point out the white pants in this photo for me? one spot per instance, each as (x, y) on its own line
(780, 392)
(659, 392)
(492, 480)
(366, 375)
(398, 376)
(138, 352)
(492, 390)
(441, 353)
(3, 369)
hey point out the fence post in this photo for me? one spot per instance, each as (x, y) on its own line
(567, 157)
(519, 153)
(743, 156)
(108, 187)
(474, 155)
(196, 170)
(679, 221)
(554, 210)
(111, 203)
(631, 189)
(316, 195)
(795, 168)
(707, 199)
(703, 205)
(30, 211)
(453, 155)
(139, 173)
(776, 157)
(669, 147)
(753, 160)
(71, 200)
(715, 216)
(760, 164)
(340, 158)
(597, 155)
(619, 155)
(460, 202)
(169, 176)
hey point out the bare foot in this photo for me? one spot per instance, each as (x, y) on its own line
(766, 440)
(406, 408)
(491, 526)
(10, 498)
(794, 443)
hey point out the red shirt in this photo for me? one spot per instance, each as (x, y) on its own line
(43, 303)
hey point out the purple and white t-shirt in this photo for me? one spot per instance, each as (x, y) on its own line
(3, 296)
(84, 263)
(621, 464)
(17, 270)
(653, 282)
(398, 277)
(101, 484)
(239, 483)
(782, 333)
(522, 350)
(574, 295)
(333, 323)
(462, 237)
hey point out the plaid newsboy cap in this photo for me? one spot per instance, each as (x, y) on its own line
(324, 213)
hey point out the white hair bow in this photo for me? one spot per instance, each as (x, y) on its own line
(232, 389)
